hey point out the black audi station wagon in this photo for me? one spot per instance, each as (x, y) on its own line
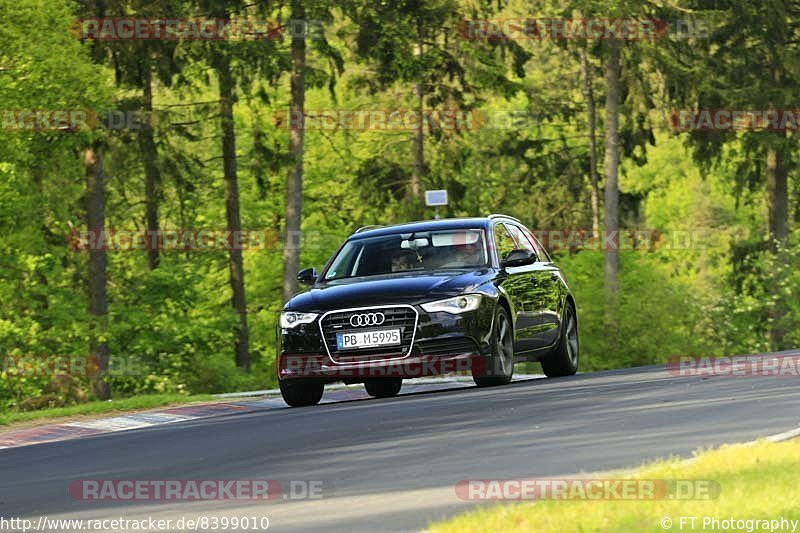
(427, 298)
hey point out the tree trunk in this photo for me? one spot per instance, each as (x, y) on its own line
(777, 195)
(152, 175)
(419, 154)
(611, 239)
(778, 202)
(37, 174)
(236, 267)
(797, 203)
(257, 162)
(294, 188)
(98, 303)
(588, 94)
(419, 137)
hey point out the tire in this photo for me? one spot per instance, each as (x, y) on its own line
(500, 366)
(301, 393)
(563, 360)
(383, 387)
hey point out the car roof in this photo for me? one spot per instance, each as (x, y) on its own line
(426, 225)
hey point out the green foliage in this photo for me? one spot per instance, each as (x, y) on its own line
(640, 332)
(761, 295)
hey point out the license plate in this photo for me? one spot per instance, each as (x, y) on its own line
(367, 339)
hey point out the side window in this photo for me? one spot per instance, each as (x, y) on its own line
(505, 244)
(522, 240)
(540, 250)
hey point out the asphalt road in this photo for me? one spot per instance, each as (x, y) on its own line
(391, 465)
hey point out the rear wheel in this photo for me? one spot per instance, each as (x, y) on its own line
(383, 387)
(563, 360)
(301, 393)
(499, 369)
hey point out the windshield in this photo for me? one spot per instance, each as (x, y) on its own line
(410, 252)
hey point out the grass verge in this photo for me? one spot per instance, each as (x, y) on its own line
(756, 482)
(135, 403)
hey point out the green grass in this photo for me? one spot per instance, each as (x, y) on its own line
(756, 482)
(95, 408)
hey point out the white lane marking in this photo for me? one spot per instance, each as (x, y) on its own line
(121, 423)
(786, 435)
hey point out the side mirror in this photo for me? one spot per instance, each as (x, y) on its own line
(518, 258)
(307, 276)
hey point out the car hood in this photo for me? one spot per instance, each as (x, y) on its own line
(387, 289)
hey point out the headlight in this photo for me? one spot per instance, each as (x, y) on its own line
(457, 305)
(290, 319)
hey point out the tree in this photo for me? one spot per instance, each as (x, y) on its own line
(588, 94)
(222, 66)
(305, 18)
(98, 301)
(237, 66)
(417, 44)
(612, 169)
(43, 180)
(147, 146)
(294, 187)
(138, 64)
(755, 69)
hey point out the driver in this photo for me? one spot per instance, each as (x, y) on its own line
(403, 261)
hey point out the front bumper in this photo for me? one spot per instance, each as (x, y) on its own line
(442, 343)
(319, 367)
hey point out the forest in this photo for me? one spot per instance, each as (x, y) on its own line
(167, 167)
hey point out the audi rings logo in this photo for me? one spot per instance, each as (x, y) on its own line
(367, 319)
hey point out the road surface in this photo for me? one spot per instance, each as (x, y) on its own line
(391, 465)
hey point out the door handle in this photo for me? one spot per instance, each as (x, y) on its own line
(554, 277)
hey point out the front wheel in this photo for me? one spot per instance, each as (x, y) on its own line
(383, 387)
(563, 360)
(499, 369)
(301, 393)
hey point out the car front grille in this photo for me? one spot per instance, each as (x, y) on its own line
(402, 317)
